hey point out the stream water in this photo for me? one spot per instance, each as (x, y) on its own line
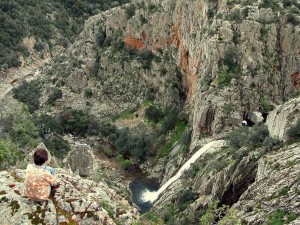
(150, 195)
(138, 187)
(146, 191)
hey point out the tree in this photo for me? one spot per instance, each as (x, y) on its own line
(9, 153)
(153, 113)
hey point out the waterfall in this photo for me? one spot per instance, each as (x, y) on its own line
(153, 195)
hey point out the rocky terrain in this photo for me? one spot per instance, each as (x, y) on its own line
(218, 63)
(77, 201)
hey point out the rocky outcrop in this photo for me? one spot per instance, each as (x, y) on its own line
(276, 187)
(81, 160)
(282, 118)
(76, 201)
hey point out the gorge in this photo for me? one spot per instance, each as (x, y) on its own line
(158, 85)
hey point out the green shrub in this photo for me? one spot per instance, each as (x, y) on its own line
(224, 78)
(126, 163)
(9, 153)
(284, 191)
(280, 217)
(146, 56)
(109, 152)
(47, 124)
(170, 119)
(24, 133)
(57, 146)
(128, 113)
(88, 92)
(55, 94)
(108, 208)
(154, 114)
(292, 19)
(228, 108)
(130, 11)
(267, 4)
(231, 58)
(210, 13)
(265, 105)
(216, 214)
(185, 197)
(235, 15)
(101, 36)
(169, 214)
(143, 19)
(153, 8)
(107, 129)
(29, 93)
(257, 136)
(293, 133)
(75, 121)
(249, 137)
(174, 136)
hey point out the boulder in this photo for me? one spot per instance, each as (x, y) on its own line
(81, 160)
(282, 118)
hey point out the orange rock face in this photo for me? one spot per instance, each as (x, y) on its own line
(135, 43)
(295, 79)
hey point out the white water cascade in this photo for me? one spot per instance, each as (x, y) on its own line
(153, 195)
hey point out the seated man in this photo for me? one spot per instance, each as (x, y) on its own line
(39, 179)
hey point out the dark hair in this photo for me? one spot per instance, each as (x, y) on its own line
(40, 156)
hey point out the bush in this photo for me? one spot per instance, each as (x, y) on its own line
(154, 114)
(47, 124)
(248, 137)
(219, 214)
(107, 129)
(29, 93)
(280, 217)
(292, 19)
(56, 94)
(294, 132)
(184, 198)
(210, 13)
(231, 58)
(130, 11)
(9, 153)
(265, 105)
(88, 93)
(257, 136)
(101, 36)
(235, 15)
(143, 19)
(126, 163)
(58, 146)
(170, 120)
(109, 152)
(146, 57)
(24, 133)
(75, 121)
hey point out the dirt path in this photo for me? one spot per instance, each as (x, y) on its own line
(16, 76)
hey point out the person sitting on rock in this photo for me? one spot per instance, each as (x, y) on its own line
(39, 180)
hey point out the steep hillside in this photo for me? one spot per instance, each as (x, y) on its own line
(150, 83)
(32, 30)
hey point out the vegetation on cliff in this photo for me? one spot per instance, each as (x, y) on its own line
(49, 22)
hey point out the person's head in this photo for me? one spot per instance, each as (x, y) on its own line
(40, 156)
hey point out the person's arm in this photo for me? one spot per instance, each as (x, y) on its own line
(52, 180)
